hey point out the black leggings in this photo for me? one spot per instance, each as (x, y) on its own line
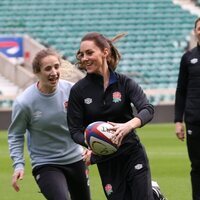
(63, 182)
(193, 142)
(127, 176)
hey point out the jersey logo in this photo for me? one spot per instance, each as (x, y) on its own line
(37, 115)
(88, 101)
(189, 132)
(194, 60)
(108, 189)
(117, 97)
(138, 166)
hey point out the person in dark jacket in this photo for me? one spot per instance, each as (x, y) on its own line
(105, 95)
(187, 109)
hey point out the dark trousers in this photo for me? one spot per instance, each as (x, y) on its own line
(127, 176)
(193, 146)
(58, 182)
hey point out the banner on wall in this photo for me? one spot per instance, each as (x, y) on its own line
(11, 46)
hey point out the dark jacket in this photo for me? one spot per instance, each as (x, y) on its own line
(88, 102)
(187, 102)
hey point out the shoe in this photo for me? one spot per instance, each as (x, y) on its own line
(156, 191)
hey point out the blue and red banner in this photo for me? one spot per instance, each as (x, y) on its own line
(11, 46)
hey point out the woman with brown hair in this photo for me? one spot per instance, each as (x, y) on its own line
(105, 95)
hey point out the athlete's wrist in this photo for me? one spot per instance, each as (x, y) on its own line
(135, 123)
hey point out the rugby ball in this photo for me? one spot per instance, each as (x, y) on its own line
(98, 138)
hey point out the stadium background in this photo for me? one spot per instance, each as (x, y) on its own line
(158, 32)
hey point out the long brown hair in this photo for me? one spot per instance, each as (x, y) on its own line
(196, 21)
(102, 42)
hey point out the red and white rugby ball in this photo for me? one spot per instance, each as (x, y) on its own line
(98, 138)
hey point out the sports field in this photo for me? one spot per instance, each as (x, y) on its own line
(168, 160)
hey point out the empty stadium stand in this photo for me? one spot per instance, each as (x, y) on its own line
(158, 33)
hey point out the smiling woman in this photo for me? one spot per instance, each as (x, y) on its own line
(41, 110)
(105, 95)
(46, 67)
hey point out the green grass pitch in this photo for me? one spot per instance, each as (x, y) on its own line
(167, 155)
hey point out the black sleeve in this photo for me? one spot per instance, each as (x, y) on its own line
(75, 117)
(145, 111)
(181, 90)
(75, 120)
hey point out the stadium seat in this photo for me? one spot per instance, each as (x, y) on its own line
(156, 30)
